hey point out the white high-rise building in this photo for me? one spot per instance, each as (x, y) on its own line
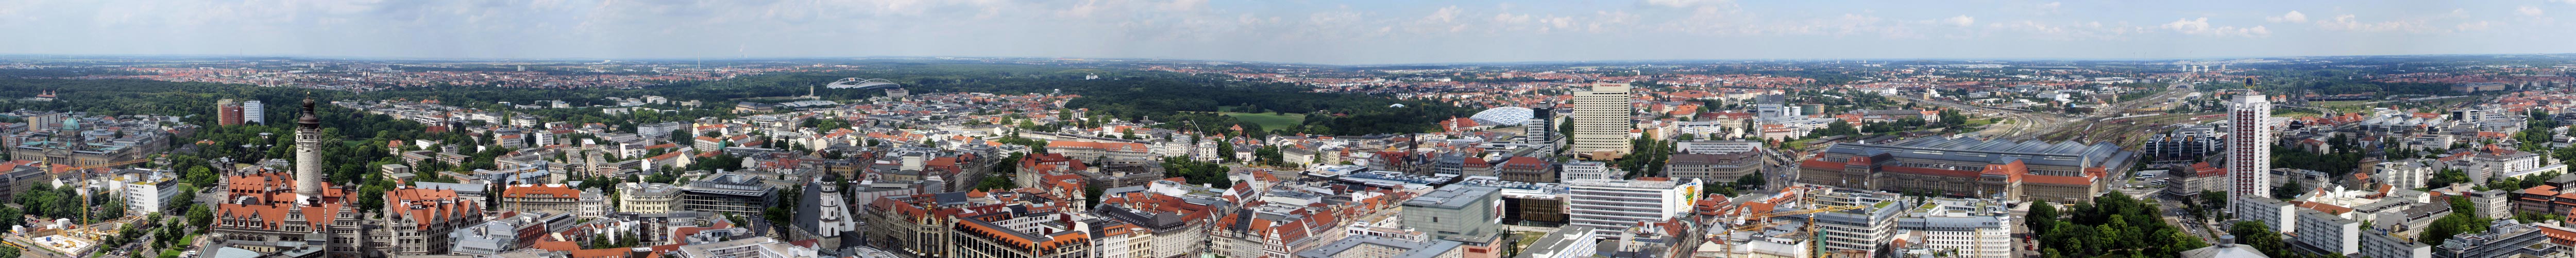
(1601, 120)
(2249, 150)
(1610, 205)
(253, 112)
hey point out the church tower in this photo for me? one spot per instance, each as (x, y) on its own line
(308, 155)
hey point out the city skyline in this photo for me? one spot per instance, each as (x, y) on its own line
(1321, 32)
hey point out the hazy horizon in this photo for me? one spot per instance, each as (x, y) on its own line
(1306, 32)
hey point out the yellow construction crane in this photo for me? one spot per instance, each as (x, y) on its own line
(85, 198)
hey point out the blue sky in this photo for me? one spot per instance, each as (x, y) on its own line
(1303, 31)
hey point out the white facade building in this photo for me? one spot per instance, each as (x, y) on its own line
(1601, 120)
(2249, 147)
(1584, 170)
(1612, 205)
(254, 112)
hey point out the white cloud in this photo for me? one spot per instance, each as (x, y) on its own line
(2067, 31)
(1685, 3)
(1962, 21)
(2474, 26)
(2353, 23)
(2293, 16)
(2201, 27)
(2530, 11)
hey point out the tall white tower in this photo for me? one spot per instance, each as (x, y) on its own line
(308, 156)
(2249, 148)
(1601, 120)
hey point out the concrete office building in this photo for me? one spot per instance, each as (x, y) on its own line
(1541, 127)
(736, 194)
(1610, 205)
(1586, 170)
(1858, 229)
(1715, 167)
(1456, 212)
(1601, 121)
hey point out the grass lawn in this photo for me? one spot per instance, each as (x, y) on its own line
(1270, 121)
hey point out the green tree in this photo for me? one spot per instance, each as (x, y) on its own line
(199, 218)
(2261, 237)
(2041, 218)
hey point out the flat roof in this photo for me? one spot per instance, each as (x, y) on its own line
(1451, 197)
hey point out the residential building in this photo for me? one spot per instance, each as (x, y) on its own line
(2493, 204)
(2249, 147)
(2281, 216)
(420, 221)
(2321, 232)
(228, 112)
(646, 197)
(2381, 243)
(2406, 173)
